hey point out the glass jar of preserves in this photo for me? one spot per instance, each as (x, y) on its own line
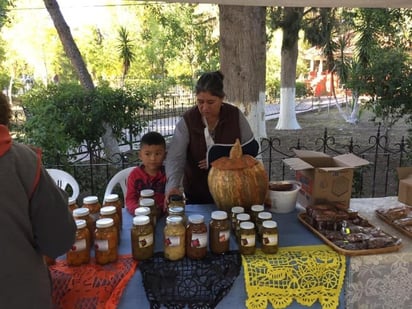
(92, 203)
(142, 211)
(196, 237)
(269, 237)
(247, 243)
(79, 253)
(83, 213)
(177, 211)
(219, 232)
(113, 199)
(105, 241)
(72, 204)
(242, 217)
(262, 216)
(142, 238)
(147, 193)
(176, 200)
(234, 211)
(174, 235)
(111, 212)
(254, 211)
(150, 203)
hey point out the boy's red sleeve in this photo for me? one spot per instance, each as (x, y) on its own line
(132, 195)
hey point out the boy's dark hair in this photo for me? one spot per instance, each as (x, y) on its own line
(211, 82)
(5, 110)
(153, 138)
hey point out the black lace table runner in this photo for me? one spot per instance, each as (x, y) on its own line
(193, 283)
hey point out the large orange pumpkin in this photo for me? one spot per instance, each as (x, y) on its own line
(237, 180)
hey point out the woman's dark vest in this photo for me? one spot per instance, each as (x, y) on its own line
(226, 132)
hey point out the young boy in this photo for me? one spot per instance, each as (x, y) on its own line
(150, 174)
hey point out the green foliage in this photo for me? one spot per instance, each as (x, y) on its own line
(64, 116)
(301, 90)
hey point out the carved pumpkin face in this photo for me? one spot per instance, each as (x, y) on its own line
(237, 180)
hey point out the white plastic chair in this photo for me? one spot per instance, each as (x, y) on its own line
(63, 180)
(120, 178)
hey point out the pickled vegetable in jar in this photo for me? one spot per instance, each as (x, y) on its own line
(72, 204)
(254, 211)
(142, 238)
(247, 243)
(150, 203)
(219, 232)
(80, 251)
(111, 212)
(196, 237)
(242, 217)
(174, 235)
(177, 211)
(269, 237)
(83, 213)
(176, 200)
(233, 213)
(92, 203)
(262, 216)
(142, 211)
(113, 199)
(105, 243)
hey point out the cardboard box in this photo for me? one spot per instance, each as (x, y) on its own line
(405, 185)
(324, 178)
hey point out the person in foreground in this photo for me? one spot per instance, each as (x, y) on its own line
(34, 221)
(210, 122)
(150, 174)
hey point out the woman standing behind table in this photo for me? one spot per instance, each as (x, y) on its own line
(210, 122)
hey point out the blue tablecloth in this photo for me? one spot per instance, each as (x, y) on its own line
(291, 233)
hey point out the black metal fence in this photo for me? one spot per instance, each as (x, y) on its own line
(377, 179)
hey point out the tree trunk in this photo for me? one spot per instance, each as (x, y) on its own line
(110, 142)
(243, 61)
(289, 56)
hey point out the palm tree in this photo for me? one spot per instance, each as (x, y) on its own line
(125, 49)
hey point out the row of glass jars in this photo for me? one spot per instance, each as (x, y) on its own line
(105, 246)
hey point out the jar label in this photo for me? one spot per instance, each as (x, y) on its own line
(101, 245)
(199, 240)
(79, 245)
(224, 236)
(172, 241)
(247, 240)
(145, 241)
(270, 239)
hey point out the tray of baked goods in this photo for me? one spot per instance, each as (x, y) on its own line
(399, 217)
(347, 232)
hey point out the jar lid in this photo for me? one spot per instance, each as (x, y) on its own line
(269, 224)
(105, 222)
(141, 220)
(176, 210)
(108, 210)
(243, 217)
(176, 197)
(257, 208)
(72, 201)
(265, 215)
(237, 209)
(111, 198)
(147, 202)
(196, 219)
(219, 215)
(247, 225)
(147, 192)
(80, 223)
(80, 212)
(174, 219)
(142, 211)
(90, 199)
